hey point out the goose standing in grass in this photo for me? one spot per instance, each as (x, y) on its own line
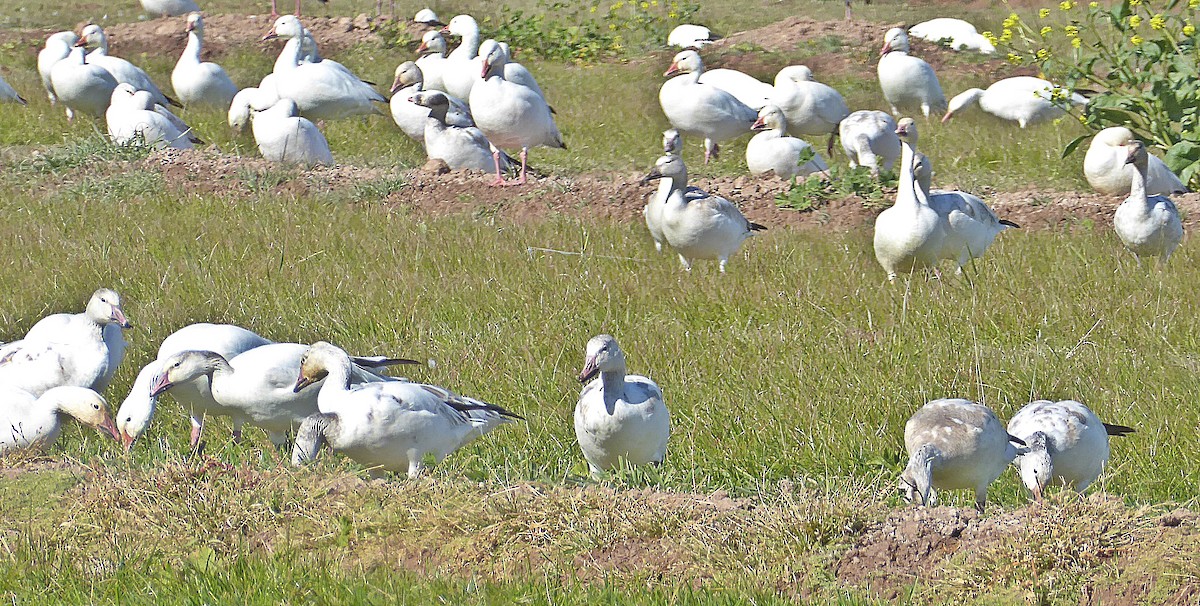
(700, 225)
(58, 46)
(432, 59)
(195, 396)
(388, 426)
(510, 114)
(1149, 226)
(908, 82)
(284, 136)
(869, 139)
(1109, 171)
(8, 94)
(324, 90)
(27, 421)
(971, 225)
(460, 147)
(652, 213)
(1022, 99)
(960, 35)
(80, 86)
(702, 110)
(811, 108)
(169, 8)
(774, 151)
(1067, 444)
(196, 82)
(131, 122)
(909, 234)
(618, 416)
(93, 37)
(953, 444)
(411, 117)
(691, 36)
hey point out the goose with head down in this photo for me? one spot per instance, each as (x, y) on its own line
(1068, 445)
(1022, 99)
(132, 120)
(284, 136)
(869, 139)
(27, 421)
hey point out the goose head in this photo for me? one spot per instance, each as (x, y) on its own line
(123, 95)
(1137, 155)
(601, 355)
(685, 62)
(896, 39)
(668, 167)
(84, 404)
(432, 43)
(916, 482)
(407, 74)
(793, 73)
(316, 362)
(195, 24)
(462, 26)
(105, 308)
(437, 102)
(962, 101)
(495, 56)
(770, 117)
(135, 413)
(93, 37)
(185, 366)
(426, 16)
(60, 39)
(1034, 466)
(287, 26)
(672, 142)
(906, 129)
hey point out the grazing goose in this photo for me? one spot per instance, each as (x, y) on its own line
(909, 234)
(971, 225)
(195, 396)
(169, 8)
(130, 121)
(1067, 444)
(691, 36)
(811, 108)
(952, 444)
(58, 46)
(774, 151)
(618, 416)
(196, 82)
(324, 90)
(284, 136)
(702, 110)
(432, 59)
(9, 95)
(1108, 170)
(699, 225)
(960, 34)
(907, 82)
(80, 86)
(389, 426)
(410, 117)
(27, 421)
(510, 114)
(869, 139)
(1023, 99)
(460, 147)
(426, 16)
(1149, 226)
(247, 99)
(93, 36)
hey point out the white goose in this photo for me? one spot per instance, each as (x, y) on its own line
(699, 226)
(909, 234)
(699, 109)
(58, 46)
(652, 212)
(907, 82)
(283, 135)
(510, 114)
(169, 8)
(774, 151)
(618, 416)
(1068, 444)
(1022, 99)
(960, 34)
(751, 91)
(691, 36)
(8, 94)
(388, 426)
(952, 444)
(462, 68)
(35, 422)
(324, 90)
(93, 36)
(811, 108)
(247, 99)
(869, 139)
(460, 147)
(971, 225)
(80, 86)
(432, 59)
(426, 16)
(1108, 171)
(411, 117)
(196, 82)
(131, 122)
(1149, 226)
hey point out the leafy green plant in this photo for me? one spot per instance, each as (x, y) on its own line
(1141, 55)
(811, 193)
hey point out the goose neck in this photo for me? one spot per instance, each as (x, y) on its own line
(1137, 187)
(613, 382)
(907, 193)
(192, 50)
(289, 57)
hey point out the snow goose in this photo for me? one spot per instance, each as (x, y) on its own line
(1022, 99)
(652, 213)
(907, 82)
(691, 36)
(811, 108)
(909, 234)
(426, 16)
(82, 349)
(169, 8)
(460, 147)
(699, 225)
(699, 109)
(8, 94)
(960, 35)
(388, 426)
(462, 69)
(774, 151)
(751, 91)
(1067, 442)
(1108, 170)
(1148, 226)
(971, 225)
(618, 416)
(80, 86)
(410, 117)
(247, 99)
(27, 421)
(869, 139)
(196, 82)
(324, 90)
(195, 396)
(283, 135)
(93, 36)
(432, 59)
(129, 122)
(58, 46)
(510, 114)
(952, 444)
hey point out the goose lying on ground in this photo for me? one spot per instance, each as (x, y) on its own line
(869, 139)
(388, 426)
(283, 135)
(691, 36)
(196, 82)
(1149, 226)
(58, 46)
(699, 226)
(702, 110)
(169, 8)
(1067, 444)
(1023, 99)
(952, 444)
(93, 37)
(909, 234)
(130, 122)
(324, 90)
(1108, 170)
(81, 87)
(908, 82)
(411, 117)
(959, 34)
(774, 151)
(460, 147)
(35, 422)
(618, 416)
(811, 108)
(426, 16)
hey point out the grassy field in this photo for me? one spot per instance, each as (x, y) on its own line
(789, 378)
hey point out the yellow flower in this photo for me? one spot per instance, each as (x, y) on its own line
(1045, 12)
(1066, 5)
(1136, 40)
(1046, 30)
(1011, 20)
(1043, 54)
(1157, 21)
(593, 9)
(1015, 59)
(1083, 119)
(990, 37)
(1193, 3)
(1135, 2)
(1072, 31)
(1006, 35)
(672, 15)
(1189, 29)
(644, 5)
(1093, 5)
(1134, 20)
(1076, 43)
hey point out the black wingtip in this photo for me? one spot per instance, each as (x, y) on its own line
(1118, 430)
(22, 100)
(172, 100)
(1008, 223)
(757, 226)
(381, 361)
(1016, 440)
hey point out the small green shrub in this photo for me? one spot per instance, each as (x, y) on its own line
(812, 193)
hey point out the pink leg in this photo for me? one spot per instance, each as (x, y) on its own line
(297, 8)
(499, 177)
(274, 11)
(197, 429)
(524, 154)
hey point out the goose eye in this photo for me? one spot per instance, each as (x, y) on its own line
(96, 406)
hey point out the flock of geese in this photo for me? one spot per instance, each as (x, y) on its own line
(467, 105)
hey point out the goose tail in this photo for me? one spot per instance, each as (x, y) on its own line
(1117, 430)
